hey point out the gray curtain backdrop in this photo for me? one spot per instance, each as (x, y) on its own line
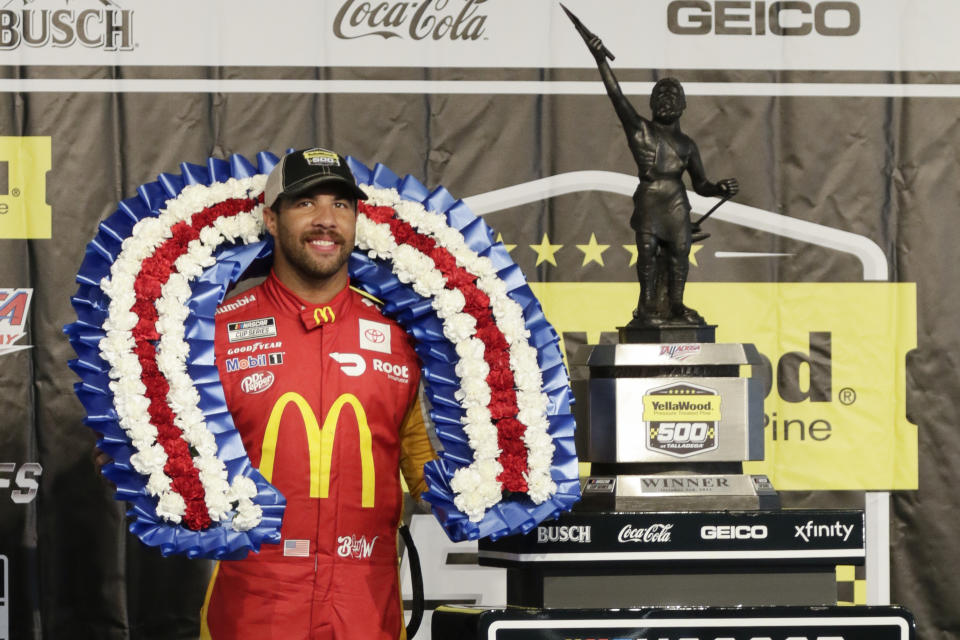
(885, 168)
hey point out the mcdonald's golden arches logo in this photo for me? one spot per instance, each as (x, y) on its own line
(325, 314)
(320, 444)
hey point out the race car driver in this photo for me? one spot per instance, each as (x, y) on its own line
(324, 392)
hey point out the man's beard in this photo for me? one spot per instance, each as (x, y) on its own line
(303, 260)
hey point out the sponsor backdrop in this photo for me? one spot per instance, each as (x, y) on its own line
(837, 258)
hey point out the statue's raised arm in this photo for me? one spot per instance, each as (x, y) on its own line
(661, 209)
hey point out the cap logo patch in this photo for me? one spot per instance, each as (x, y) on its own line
(321, 158)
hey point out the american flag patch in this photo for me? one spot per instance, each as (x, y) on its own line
(296, 548)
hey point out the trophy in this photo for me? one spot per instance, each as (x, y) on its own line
(667, 416)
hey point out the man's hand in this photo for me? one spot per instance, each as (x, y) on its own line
(596, 47)
(729, 187)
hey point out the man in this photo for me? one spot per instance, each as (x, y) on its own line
(324, 392)
(661, 210)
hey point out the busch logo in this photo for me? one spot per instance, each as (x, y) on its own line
(565, 533)
(109, 28)
(834, 530)
(257, 382)
(395, 372)
(354, 547)
(654, 533)
(679, 351)
(236, 304)
(14, 305)
(434, 19)
(25, 480)
(731, 532)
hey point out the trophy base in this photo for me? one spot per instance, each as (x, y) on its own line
(677, 492)
(667, 333)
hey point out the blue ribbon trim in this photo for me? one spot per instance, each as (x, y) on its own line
(515, 513)
(91, 305)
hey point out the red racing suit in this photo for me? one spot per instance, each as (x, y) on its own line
(325, 398)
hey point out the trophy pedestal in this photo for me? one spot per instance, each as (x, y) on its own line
(677, 492)
(667, 426)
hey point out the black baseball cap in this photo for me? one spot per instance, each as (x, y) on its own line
(300, 170)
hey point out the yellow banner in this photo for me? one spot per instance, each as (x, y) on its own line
(24, 212)
(835, 409)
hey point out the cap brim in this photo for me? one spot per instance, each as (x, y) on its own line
(309, 182)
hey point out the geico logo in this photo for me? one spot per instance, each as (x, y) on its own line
(110, 29)
(24, 212)
(320, 444)
(698, 17)
(564, 533)
(390, 20)
(25, 480)
(391, 369)
(733, 532)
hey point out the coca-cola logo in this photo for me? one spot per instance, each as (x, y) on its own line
(654, 533)
(257, 382)
(433, 19)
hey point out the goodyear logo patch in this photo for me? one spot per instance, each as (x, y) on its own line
(251, 329)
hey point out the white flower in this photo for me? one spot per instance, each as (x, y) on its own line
(171, 506)
(247, 517)
(149, 461)
(459, 327)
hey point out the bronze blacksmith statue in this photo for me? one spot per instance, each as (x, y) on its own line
(661, 210)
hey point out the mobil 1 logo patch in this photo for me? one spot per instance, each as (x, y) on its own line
(251, 329)
(681, 419)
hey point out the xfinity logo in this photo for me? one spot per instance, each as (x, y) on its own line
(565, 533)
(739, 17)
(108, 27)
(433, 19)
(731, 532)
(811, 530)
(653, 533)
